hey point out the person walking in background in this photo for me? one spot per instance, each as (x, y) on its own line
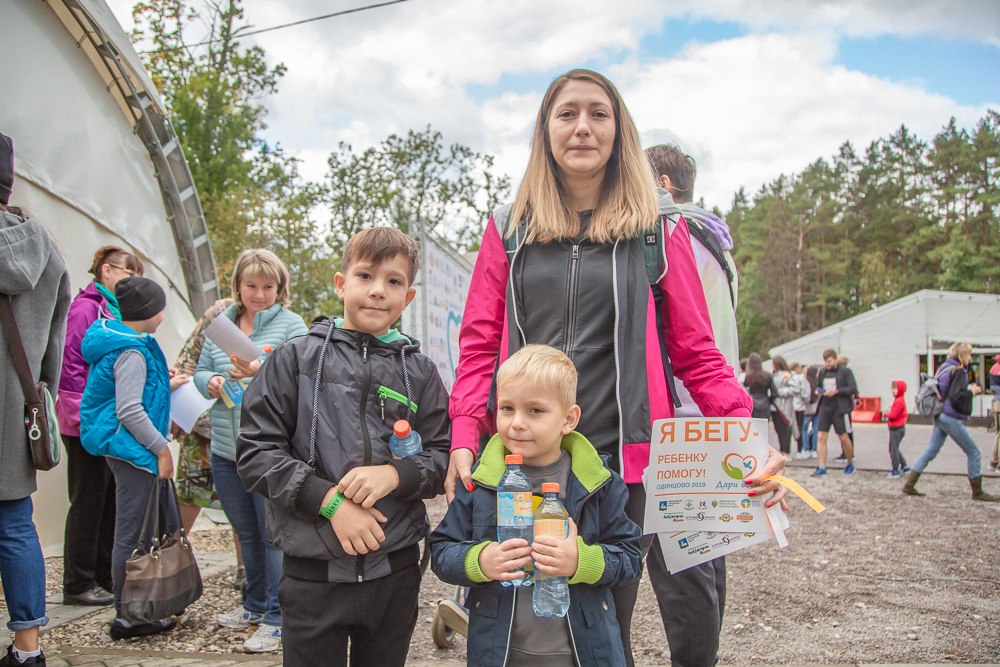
(842, 362)
(995, 409)
(743, 370)
(261, 294)
(125, 416)
(836, 386)
(784, 405)
(810, 424)
(799, 402)
(896, 418)
(760, 386)
(953, 382)
(90, 521)
(33, 275)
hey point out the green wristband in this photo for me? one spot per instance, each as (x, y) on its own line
(330, 508)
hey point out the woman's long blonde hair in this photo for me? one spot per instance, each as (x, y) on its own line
(626, 206)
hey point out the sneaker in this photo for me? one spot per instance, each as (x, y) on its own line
(266, 639)
(849, 470)
(994, 468)
(239, 618)
(8, 659)
(893, 474)
(818, 472)
(905, 470)
(813, 454)
(119, 630)
(840, 459)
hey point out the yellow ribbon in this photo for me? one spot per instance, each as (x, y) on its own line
(797, 489)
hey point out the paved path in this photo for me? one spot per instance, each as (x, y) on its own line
(871, 442)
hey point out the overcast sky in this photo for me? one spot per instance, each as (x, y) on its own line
(751, 89)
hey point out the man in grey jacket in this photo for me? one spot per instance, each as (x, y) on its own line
(34, 276)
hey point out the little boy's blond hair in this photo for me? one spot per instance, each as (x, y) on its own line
(545, 368)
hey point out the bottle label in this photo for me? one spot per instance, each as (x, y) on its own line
(553, 527)
(514, 509)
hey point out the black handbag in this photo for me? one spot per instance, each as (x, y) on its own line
(164, 580)
(41, 425)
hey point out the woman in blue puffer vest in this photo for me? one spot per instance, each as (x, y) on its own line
(261, 295)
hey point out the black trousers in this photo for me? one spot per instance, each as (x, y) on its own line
(692, 602)
(377, 616)
(90, 522)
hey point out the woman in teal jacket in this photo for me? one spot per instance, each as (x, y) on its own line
(261, 295)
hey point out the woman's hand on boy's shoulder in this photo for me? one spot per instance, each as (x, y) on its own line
(497, 560)
(366, 485)
(555, 556)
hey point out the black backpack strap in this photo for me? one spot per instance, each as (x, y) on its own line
(705, 236)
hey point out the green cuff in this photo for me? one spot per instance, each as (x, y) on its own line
(590, 563)
(472, 570)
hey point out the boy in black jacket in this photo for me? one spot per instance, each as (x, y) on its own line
(314, 441)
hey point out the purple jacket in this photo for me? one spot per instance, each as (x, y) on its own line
(87, 307)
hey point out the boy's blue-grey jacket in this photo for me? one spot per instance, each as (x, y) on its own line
(353, 426)
(599, 512)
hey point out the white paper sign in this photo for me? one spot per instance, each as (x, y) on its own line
(689, 548)
(231, 340)
(694, 481)
(187, 404)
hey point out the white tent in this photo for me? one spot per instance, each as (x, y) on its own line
(97, 162)
(906, 337)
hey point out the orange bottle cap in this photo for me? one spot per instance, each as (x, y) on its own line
(401, 428)
(267, 349)
(514, 459)
(550, 487)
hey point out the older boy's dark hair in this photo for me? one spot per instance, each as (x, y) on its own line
(379, 244)
(670, 161)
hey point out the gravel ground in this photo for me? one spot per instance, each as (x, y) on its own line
(879, 577)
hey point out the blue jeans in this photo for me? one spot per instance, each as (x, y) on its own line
(132, 488)
(811, 431)
(262, 560)
(22, 567)
(944, 426)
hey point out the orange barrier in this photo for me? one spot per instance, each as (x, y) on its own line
(868, 409)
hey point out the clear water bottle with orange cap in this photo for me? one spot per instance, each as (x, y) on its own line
(551, 594)
(404, 441)
(514, 517)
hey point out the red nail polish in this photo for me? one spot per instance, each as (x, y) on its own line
(769, 504)
(471, 487)
(748, 482)
(752, 493)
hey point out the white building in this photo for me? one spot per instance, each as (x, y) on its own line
(906, 337)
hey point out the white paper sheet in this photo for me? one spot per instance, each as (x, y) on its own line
(187, 404)
(224, 333)
(694, 480)
(689, 548)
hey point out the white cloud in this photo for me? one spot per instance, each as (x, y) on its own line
(748, 108)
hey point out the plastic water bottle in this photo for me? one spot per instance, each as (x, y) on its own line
(551, 594)
(404, 441)
(514, 518)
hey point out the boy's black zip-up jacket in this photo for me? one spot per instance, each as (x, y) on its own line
(361, 394)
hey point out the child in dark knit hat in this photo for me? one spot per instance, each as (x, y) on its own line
(125, 416)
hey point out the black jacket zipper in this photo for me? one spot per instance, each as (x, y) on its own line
(365, 436)
(570, 314)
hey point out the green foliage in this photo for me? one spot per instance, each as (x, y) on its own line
(452, 189)
(846, 236)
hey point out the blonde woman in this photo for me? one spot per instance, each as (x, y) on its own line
(953, 381)
(564, 266)
(260, 309)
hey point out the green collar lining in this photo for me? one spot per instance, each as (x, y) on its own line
(587, 465)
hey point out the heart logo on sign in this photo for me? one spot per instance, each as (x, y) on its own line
(739, 467)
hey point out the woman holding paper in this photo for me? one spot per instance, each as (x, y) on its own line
(566, 266)
(90, 522)
(260, 310)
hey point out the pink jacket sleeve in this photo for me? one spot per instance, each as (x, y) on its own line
(480, 339)
(693, 353)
